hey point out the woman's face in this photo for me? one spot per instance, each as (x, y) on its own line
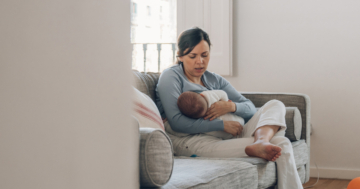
(196, 62)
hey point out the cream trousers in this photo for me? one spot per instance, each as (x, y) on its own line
(272, 113)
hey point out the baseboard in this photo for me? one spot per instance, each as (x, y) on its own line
(334, 173)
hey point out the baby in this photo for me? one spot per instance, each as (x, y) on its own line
(195, 105)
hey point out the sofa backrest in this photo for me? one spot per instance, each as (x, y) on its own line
(146, 82)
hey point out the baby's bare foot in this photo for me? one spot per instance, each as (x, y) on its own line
(264, 150)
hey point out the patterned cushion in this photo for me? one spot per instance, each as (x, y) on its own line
(146, 112)
(156, 157)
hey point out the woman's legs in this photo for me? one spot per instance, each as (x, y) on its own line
(270, 115)
(267, 125)
(287, 174)
(209, 146)
(267, 122)
(268, 129)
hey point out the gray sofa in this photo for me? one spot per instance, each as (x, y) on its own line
(159, 167)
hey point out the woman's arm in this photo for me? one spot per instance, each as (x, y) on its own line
(244, 107)
(169, 87)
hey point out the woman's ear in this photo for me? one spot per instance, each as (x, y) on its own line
(181, 58)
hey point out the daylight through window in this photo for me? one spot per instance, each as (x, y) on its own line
(153, 34)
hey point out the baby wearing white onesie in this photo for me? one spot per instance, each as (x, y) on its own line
(195, 105)
(218, 95)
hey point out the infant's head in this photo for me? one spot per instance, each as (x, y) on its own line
(192, 104)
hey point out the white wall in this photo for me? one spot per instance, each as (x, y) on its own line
(64, 82)
(309, 47)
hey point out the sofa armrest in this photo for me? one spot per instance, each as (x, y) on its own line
(156, 158)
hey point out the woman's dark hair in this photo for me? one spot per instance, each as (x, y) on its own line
(188, 39)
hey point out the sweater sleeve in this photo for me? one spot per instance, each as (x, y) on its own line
(244, 107)
(169, 89)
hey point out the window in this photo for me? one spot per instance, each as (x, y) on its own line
(153, 34)
(154, 31)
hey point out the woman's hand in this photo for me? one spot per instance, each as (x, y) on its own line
(233, 127)
(219, 108)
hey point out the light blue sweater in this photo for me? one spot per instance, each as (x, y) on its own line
(173, 82)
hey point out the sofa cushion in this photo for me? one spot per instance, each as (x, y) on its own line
(156, 157)
(301, 152)
(266, 170)
(209, 173)
(146, 112)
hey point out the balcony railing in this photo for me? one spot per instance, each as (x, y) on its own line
(159, 49)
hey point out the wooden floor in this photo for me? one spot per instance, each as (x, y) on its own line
(327, 183)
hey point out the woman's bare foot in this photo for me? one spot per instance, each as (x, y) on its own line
(264, 150)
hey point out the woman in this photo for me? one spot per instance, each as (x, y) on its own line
(263, 132)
